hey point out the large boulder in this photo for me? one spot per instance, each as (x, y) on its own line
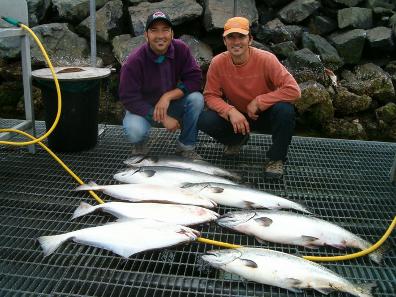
(298, 10)
(355, 17)
(386, 113)
(315, 103)
(37, 11)
(74, 10)
(179, 11)
(202, 52)
(346, 102)
(369, 79)
(319, 45)
(108, 22)
(124, 44)
(349, 45)
(345, 128)
(218, 11)
(380, 40)
(64, 47)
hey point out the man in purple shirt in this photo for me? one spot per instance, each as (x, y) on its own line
(159, 86)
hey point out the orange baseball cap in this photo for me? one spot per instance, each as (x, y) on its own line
(236, 25)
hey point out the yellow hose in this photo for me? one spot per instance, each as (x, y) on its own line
(358, 254)
(36, 140)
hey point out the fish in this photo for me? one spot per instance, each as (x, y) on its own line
(242, 197)
(183, 163)
(124, 238)
(166, 176)
(283, 270)
(292, 228)
(149, 193)
(169, 213)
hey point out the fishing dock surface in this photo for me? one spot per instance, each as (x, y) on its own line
(342, 181)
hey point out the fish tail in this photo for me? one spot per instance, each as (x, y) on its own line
(91, 186)
(82, 210)
(378, 254)
(50, 243)
(365, 289)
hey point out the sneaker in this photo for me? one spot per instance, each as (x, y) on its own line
(140, 149)
(274, 169)
(233, 150)
(190, 154)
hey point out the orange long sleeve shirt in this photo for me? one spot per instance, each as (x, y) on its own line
(262, 77)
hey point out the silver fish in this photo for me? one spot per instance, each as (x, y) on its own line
(124, 238)
(149, 193)
(168, 213)
(242, 197)
(284, 271)
(292, 228)
(180, 162)
(166, 176)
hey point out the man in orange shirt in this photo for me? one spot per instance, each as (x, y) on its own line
(249, 89)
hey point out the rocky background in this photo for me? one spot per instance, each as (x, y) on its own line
(341, 52)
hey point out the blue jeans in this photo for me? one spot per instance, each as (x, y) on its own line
(186, 110)
(280, 118)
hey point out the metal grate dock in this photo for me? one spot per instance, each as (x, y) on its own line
(346, 182)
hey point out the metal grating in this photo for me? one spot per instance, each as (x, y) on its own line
(346, 182)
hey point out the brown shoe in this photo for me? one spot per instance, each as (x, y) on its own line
(233, 150)
(140, 149)
(274, 169)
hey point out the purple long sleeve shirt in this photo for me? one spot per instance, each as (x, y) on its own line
(143, 80)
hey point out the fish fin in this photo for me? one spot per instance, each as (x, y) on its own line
(216, 190)
(264, 221)
(292, 283)
(339, 246)
(379, 253)
(325, 291)
(88, 187)
(308, 238)
(260, 240)
(148, 172)
(248, 205)
(249, 263)
(50, 243)
(82, 210)
(134, 160)
(367, 288)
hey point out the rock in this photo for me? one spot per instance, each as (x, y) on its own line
(344, 128)
(64, 47)
(349, 45)
(37, 10)
(304, 65)
(322, 25)
(11, 71)
(202, 52)
(179, 11)
(380, 40)
(10, 47)
(273, 32)
(322, 47)
(259, 45)
(355, 17)
(10, 93)
(218, 11)
(386, 113)
(315, 103)
(74, 10)
(284, 49)
(370, 80)
(124, 44)
(347, 103)
(298, 11)
(108, 22)
(348, 3)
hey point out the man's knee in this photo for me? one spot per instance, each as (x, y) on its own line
(283, 111)
(135, 130)
(195, 101)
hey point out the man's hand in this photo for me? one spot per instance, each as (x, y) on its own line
(253, 109)
(161, 109)
(171, 123)
(238, 122)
